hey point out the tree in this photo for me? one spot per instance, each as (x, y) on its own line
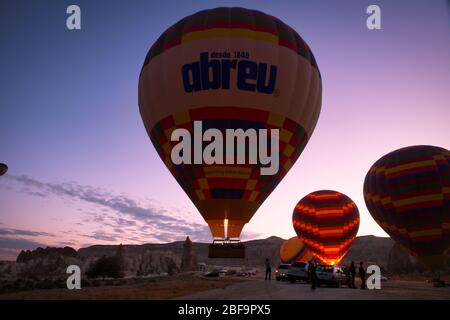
(105, 267)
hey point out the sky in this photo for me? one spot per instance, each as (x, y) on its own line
(83, 171)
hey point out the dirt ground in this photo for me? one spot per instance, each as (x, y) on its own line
(275, 290)
(154, 288)
(196, 287)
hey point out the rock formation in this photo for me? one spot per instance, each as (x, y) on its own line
(47, 253)
(155, 263)
(189, 259)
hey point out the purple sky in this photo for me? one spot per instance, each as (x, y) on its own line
(83, 171)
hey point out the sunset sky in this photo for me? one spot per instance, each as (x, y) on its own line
(83, 171)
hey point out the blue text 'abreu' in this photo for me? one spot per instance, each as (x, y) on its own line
(209, 74)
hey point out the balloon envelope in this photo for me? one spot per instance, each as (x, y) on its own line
(293, 250)
(407, 192)
(327, 222)
(231, 68)
(3, 169)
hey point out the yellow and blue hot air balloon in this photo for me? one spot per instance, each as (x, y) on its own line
(231, 68)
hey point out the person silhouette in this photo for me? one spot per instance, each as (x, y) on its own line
(310, 262)
(362, 275)
(313, 276)
(268, 269)
(352, 271)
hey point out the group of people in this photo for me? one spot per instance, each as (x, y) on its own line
(362, 275)
(312, 268)
(312, 276)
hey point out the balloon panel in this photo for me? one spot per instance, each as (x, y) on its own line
(229, 191)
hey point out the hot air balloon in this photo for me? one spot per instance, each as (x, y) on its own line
(407, 192)
(229, 69)
(293, 250)
(327, 222)
(3, 169)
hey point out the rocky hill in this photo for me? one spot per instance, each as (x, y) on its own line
(256, 252)
(154, 259)
(123, 264)
(370, 249)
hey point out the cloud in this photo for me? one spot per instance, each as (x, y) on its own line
(16, 232)
(19, 244)
(68, 243)
(120, 213)
(12, 242)
(125, 223)
(101, 235)
(128, 212)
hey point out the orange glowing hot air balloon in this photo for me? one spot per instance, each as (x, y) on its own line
(293, 250)
(230, 68)
(327, 222)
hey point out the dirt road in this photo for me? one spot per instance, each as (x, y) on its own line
(194, 286)
(275, 290)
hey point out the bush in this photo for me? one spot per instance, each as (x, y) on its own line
(45, 284)
(105, 267)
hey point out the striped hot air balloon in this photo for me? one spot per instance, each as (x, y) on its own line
(3, 169)
(293, 250)
(231, 68)
(327, 222)
(407, 192)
